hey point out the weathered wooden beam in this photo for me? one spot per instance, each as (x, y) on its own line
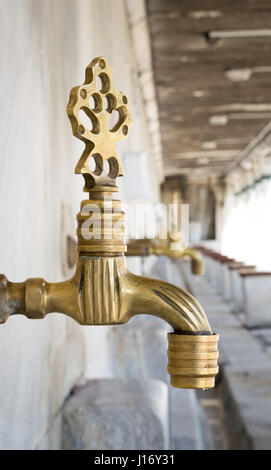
(191, 81)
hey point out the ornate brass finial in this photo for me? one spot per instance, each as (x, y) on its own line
(98, 99)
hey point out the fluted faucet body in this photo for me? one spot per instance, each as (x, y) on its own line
(102, 290)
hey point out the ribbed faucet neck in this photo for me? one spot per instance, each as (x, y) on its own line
(101, 223)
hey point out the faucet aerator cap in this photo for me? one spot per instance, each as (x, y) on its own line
(192, 360)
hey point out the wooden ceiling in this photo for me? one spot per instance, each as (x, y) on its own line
(192, 84)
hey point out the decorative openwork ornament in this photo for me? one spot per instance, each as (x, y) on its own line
(102, 291)
(98, 100)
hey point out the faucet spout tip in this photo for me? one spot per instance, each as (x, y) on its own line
(192, 360)
(197, 267)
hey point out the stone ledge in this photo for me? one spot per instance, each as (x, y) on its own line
(246, 371)
(257, 295)
(245, 273)
(116, 414)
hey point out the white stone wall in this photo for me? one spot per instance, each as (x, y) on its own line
(45, 46)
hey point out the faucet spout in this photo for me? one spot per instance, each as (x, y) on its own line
(168, 302)
(192, 347)
(197, 262)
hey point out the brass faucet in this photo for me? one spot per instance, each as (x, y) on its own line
(102, 291)
(172, 247)
(147, 247)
